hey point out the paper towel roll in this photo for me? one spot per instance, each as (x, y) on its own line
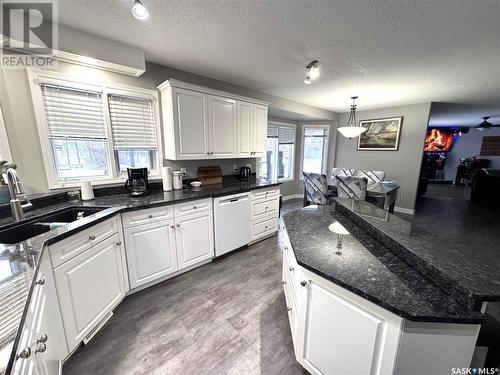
(166, 178)
(87, 191)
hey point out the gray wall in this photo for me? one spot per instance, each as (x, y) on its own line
(469, 145)
(16, 103)
(402, 165)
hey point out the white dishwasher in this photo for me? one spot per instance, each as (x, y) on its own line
(232, 221)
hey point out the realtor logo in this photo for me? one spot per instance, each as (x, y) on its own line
(29, 34)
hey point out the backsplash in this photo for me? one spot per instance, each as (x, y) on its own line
(226, 165)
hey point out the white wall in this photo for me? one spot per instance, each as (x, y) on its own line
(402, 165)
(469, 145)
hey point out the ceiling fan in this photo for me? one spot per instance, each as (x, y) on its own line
(486, 124)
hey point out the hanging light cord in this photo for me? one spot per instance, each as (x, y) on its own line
(352, 115)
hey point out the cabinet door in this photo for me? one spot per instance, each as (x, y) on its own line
(260, 130)
(245, 129)
(150, 252)
(339, 337)
(48, 333)
(191, 123)
(89, 286)
(222, 126)
(194, 238)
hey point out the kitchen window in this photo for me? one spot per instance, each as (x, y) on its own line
(278, 163)
(94, 131)
(314, 148)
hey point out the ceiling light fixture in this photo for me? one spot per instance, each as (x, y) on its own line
(139, 10)
(351, 130)
(312, 72)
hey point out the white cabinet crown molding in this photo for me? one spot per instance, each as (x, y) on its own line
(171, 83)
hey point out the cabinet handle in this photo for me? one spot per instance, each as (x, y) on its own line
(266, 208)
(92, 238)
(118, 243)
(25, 353)
(289, 308)
(303, 283)
(283, 282)
(150, 216)
(194, 207)
(43, 338)
(291, 268)
(178, 225)
(285, 247)
(172, 226)
(265, 227)
(41, 281)
(41, 348)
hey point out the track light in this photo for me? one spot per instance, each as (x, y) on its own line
(139, 10)
(312, 72)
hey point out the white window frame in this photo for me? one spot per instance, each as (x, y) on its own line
(290, 126)
(38, 76)
(5, 153)
(325, 151)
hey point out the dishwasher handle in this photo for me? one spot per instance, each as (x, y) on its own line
(233, 199)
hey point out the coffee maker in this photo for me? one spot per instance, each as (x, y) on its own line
(137, 182)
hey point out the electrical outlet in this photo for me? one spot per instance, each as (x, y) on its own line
(235, 168)
(183, 171)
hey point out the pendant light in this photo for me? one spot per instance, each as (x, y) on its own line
(139, 10)
(351, 130)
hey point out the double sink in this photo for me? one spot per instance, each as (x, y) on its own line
(44, 223)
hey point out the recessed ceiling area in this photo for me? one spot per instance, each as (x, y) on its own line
(453, 114)
(386, 52)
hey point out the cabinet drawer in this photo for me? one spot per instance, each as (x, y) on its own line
(192, 207)
(265, 207)
(264, 227)
(146, 216)
(70, 247)
(265, 194)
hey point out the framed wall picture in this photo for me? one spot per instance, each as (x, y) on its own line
(381, 134)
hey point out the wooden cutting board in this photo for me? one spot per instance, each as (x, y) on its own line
(210, 175)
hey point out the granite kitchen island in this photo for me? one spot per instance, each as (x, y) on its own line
(380, 307)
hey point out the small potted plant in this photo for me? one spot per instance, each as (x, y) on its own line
(4, 189)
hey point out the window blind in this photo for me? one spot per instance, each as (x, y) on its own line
(272, 131)
(132, 123)
(286, 136)
(73, 113)
(315, 132)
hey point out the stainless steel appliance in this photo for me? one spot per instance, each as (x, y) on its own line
(245, 173)
(137, 183)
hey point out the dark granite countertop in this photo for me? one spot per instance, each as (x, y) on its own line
(369, 269)
(20, 261)
(471, 275)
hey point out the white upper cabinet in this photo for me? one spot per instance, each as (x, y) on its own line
(260, 130)
(245, 129)
(191, 125)
(201, 123)
(222, 124)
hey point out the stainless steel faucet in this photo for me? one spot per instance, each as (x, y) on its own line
(16, 191)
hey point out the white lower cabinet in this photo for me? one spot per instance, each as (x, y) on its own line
(150, 252)
(89, 286)
(194, 238)
(159, 249)
(42, 346)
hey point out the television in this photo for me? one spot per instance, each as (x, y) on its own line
(439, 140)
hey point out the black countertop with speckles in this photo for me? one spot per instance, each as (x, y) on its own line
(20, 261)
(471, 275)
(369, 269)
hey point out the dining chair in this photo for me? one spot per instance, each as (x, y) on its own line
(315, 188)
(352, 187)
(373, 177)
(341, 172)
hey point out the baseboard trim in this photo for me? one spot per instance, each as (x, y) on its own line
(293, 196)
(409, 211)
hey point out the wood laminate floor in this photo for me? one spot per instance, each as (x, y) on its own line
(226, 317)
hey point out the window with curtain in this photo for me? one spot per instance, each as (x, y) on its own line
(77, 132)
(96, 132)
(134, 131)
(278, 162)
(314, 148)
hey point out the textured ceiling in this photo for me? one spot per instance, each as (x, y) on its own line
(387, 52)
